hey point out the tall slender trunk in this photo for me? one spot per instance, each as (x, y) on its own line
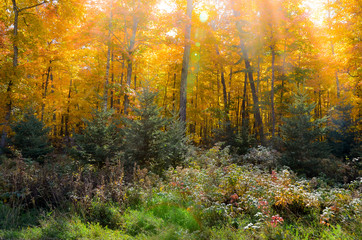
(67, 115)
(121, 83)
(217, 87)
(185, 64)
(45, 91)
(332, 48)
(272, 91)
(130, 61)
(258, 77)
(283, 79)
(243, 104)
(229, 93)
(135, 78)
(258, 119)
(173, 93)
(106, 82)
(238, 111)
(8, 107)
(226, 108)
(196, 99)
(112, 81)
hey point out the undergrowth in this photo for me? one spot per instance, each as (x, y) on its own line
(211, 197)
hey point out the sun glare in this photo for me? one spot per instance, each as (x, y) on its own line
(166, 6)
(204, 16)
(316, 10)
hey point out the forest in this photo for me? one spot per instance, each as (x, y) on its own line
(180, 119)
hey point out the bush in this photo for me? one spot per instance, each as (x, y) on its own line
(57, 184)
(106, 214)
(262, 156)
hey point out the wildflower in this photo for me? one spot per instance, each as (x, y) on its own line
(276, 220)
(234, 197)
(274, 176)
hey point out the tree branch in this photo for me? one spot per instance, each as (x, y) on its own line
(33, 6)
(349, 73)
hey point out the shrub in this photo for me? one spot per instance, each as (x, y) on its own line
(262, 156)
(106, 214)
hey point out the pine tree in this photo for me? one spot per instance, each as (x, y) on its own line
(100, 141)
(342, 137)
(302, 137)
(152, 141)
(31, 137)
(238, 141)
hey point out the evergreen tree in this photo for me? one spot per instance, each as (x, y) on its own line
(151, 140)
(238, 141)
(100, 140)
(302, 137)
(342, 137)
(31, 137)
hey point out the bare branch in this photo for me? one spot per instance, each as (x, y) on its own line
(354, 76)
(33, 6)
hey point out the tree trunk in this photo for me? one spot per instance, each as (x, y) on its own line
(8, 107)
(258, 119)
(173, 93)
(218, 87)
(135, 78)
(112, 81)
(185, 64)
(243, 104)
(165, 93)
(119, 97)
(45, 91)
(229, 93)
(258, 77)
(130, 61)
(66, 119)
(272, 91)
(332, 48)
(226, 108)
(106, 83)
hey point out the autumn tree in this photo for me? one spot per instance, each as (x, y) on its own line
(17, 10)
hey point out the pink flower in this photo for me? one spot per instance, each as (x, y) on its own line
(276, 220)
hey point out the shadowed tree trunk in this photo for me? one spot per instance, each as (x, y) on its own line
(185, 64)
(258, 119)
(130, 62)
(272, 90)
(8, 107)
(106, 82)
